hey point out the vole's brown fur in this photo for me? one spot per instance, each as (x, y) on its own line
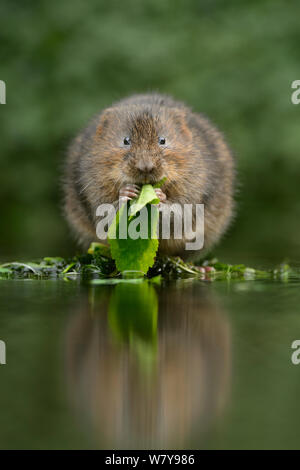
(195, 160)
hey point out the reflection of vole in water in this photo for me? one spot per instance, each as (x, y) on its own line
(149, 391)
(143, 139)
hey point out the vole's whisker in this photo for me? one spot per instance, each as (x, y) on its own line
(86, 186)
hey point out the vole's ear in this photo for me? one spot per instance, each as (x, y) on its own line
(103, 121)
(180, 121)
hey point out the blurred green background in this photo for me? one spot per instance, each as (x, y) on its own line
(233, 60)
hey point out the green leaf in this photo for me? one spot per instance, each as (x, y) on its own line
(5, 270)
(53, 260)
(67, 269)
(99, 248)
(160, 183)
(139, 254)
(146, 196)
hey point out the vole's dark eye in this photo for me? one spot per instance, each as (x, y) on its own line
(127, 141)
(161, 141)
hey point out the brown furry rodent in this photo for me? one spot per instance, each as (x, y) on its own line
(142, 139)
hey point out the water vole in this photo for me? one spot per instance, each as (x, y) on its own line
(142, 139)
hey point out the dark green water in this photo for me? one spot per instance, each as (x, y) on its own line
(188, 365)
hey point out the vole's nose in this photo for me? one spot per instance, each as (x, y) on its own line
(145, 165)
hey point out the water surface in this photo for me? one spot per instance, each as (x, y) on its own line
(188, 364)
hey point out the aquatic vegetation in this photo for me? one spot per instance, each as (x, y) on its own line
(98, 267)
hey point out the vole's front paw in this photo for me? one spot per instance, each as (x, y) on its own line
(128, 192)
(162, 197)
